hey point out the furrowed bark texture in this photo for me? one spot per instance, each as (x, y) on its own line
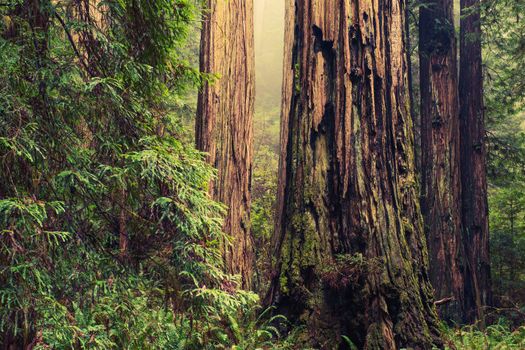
(350, 250)
(224, 121)
(440, 172)
(473, 165)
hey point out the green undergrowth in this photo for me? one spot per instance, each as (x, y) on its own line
(499, 336)
(108, 236)
(88, 301)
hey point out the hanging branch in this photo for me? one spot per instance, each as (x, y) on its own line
(70, 38)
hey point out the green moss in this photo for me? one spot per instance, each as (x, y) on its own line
(297, 78)
(311, 241)
(375, 338)
(283, 282)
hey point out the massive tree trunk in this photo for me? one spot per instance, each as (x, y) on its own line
(350, 251)
(440, 172)
(473, 164)
(224, 121)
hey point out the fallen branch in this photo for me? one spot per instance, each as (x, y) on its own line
(444, 301)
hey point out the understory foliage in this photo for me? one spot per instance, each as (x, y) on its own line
(499, 336)
(108, 238)
(264, 190)
(504, 58)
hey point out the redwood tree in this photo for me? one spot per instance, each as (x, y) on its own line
(224, 120)
(440, 171)
(350, 251)
(473, 164)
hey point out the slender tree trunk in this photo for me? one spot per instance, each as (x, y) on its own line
(473, 165)
(224, 121)
(413, 67)
(410, 76)
(350, 249)
(440, 172)
(122, 230)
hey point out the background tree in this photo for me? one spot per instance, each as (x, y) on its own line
(473, 165)
(350, 250)
(269, 42)
(440, 157)
(224, 125)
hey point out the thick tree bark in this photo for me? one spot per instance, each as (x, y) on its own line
(224, 121)
(350, 250)
(473, 165)
(440, 172)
